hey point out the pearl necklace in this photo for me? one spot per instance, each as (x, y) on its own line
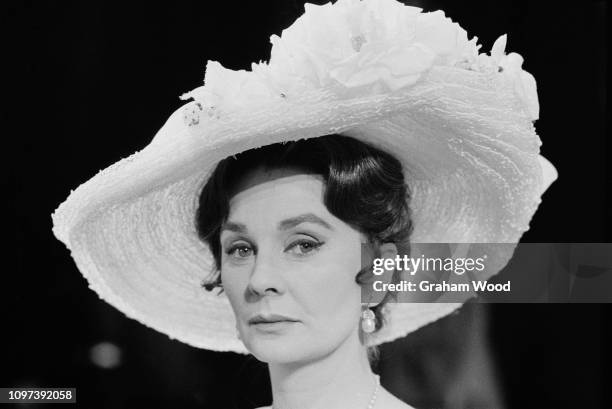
(373, 399)
(374, 394)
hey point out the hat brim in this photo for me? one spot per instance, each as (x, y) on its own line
(470, 155)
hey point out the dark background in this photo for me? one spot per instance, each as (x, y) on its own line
(102, 77)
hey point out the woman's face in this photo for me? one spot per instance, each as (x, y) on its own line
(288, 267)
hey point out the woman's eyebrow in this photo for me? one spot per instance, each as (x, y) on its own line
(283, 225)
(303, 218)
(235, 227)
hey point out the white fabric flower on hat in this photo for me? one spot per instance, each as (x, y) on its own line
(511, 65)
(382, 45)
(224, 87)
(358, 43)
(524, 82)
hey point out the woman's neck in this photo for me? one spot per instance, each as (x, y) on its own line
(342, 379)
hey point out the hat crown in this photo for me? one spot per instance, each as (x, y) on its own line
(357, 47)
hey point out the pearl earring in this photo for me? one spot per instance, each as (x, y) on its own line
(368, 321)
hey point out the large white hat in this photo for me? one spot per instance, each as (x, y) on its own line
(407, 82)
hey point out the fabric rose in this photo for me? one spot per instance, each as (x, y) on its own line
(381, 44)
(510, 65)
(224, 87)
(357, 43)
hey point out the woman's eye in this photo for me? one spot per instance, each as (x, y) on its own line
(303, 247)
(240, 251)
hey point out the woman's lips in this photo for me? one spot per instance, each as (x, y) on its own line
(273, 326)
(271, 322)
(270, 318)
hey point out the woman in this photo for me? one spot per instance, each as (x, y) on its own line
(286, 224)
(416, 105)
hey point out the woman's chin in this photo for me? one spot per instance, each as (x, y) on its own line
(285, 349)
(274, 348)
(279, 352)
(290, 345)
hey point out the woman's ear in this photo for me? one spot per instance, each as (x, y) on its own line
(388, 251)
(383, 271)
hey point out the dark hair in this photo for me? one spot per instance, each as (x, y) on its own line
(364, 187)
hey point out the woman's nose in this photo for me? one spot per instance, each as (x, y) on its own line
(266, 276)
